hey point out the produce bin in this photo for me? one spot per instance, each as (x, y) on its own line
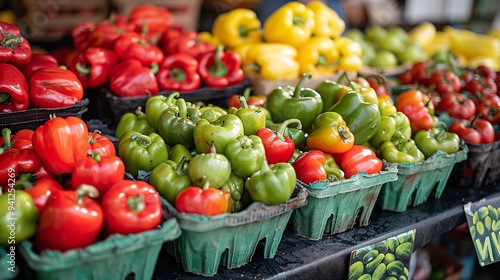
(120, 105)
(231, 239)
(333, 207)
(116, 257)
(8, 270)
(417, 181)
(32, 118)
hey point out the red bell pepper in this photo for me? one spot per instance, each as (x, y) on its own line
(100, 144)
(97, 171)
(413, 104)
(20, 140)
(92, 66)
(80, 35)
(54, 88)
(18, 162)
(69, 220)
(278, 147)
(61, 143)
(14, 94)
(130, 78)
(136, 46)
(477, 131)
(189, 43)
(38, 61)
(203, 201)
(131, 207)
(109, 30)
(153, 18)
(357, 159)
(178, 72)
(167, 37)
(14, 48)
(41, 190)
(64, 55)
(309, 166)
(457, 106)
(220, 69)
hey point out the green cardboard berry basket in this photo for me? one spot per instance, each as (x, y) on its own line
(231, 239)
(418, 181)
(116, 257)
(333, 207)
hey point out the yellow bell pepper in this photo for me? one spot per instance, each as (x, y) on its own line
(328, 22)
(471, 44)
(271, 61)
(237, 27)
(474, 62)
(440, 43)
(422, 34)
(291, 24)
(206, 36)
(350, 62)
(347, 46)
(319, 56)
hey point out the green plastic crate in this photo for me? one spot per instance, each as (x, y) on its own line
(333, 207)
(231, 239)
(114, 258)
(417, 181)
(5, 273)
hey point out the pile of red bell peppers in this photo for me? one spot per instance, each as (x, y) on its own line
(142, 54)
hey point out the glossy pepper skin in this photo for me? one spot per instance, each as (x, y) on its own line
(477, 131)
(177, 152)
(203, 201)
(235, 186)
(386, 105)
(61, 143)
(41, 190)
(18, 206)
(156, 105)
(253, 118)
(309, 166)
(328, 22)
(328, 90)
(141, 152)
(401, 151)
(237, 27)
(435, 139)
(54, 88)
(155, 19)
(177, 124)
(178, 72)
(20, 140)
(271, 61)
(188, 43)
(100, 144)
(298, 136)
(272, 184)
(14, 48)
(359, 159)
(362, 118)
(219, 131)
(295, 102)
(14, 92)
(135, 46)
(131, 207)
(92, 66)
(212, 167)
(292, 24)
(38, 61)
(106, 32)
(137, 121)
(20, 163)
(245, 153)
(330, 134)
(69, 220)
(220, 68)
(318, 56)
(80, 34)
(391, 126)
(278, 147)
(130, 78)
(170, 178)
(413, 105)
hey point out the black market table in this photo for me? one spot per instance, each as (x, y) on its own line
(300, 258)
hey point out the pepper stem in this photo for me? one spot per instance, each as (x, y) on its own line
(6, 132)
(179, 169)
(181, 104)
(171, 97)
(136, 203)
(472, 123)
(298, 87)
(206, 185)
(243, 102)
(154, 68)
(343, 133)
(281, 129)
(334, 174)
(143, 140)
(246, 143)
(11, 41)
(86, 190)
(243, 31)
(178, 74)
(84, 70)
(138, 111)
(218, 69)
(91, 139)
(96, 156)
(247, 92)
(5, 97)
(212, 149)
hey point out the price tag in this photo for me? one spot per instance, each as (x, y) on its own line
(390, 257)
(484, 226)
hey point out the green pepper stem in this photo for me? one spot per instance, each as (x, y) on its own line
(154, 68)
(246, 143)
(4, 97)
(84, 70)
(281, 129)
(472, 123)
(264, 168)
(138, 111)
(136, 203)
(86, 190)
(91, 139)
(243, 31)
(179, 169)
(181, 104)
(143, 140)
(298, 20)
(334, 174)
(96, 156)
(218, 68)
(11, 41)
(6, 132)
(343, 133)
(341, 77)
(247, 92)
(210, 115)
(298, 87)
(206, 185)
(23, 184)
(243, 102)
(212, 149)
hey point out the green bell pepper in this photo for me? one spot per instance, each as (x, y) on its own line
(328, 90)
(295, 103)
(245, 153)
(170, 178)
(18, 217)
(156, 105)
(141, 152)
(392, 126)
(137, 121)
(362, 118)
(177, 124)
(235, 186)
(218, 131)
(220, 111)
(177, 152)
(369, 95)
(253, 118)
(211, 167)
(332, 169)
(297, 135)
(435, 139)
(272, 184)
(401, 151)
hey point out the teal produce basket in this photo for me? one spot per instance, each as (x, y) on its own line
(231, 239)
(417, 181)
(116, 257)
(333, 207)
(9, 267)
